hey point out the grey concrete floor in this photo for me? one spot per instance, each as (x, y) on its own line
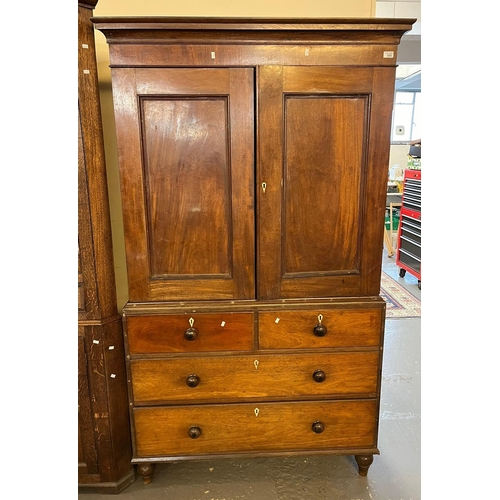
(394, 475)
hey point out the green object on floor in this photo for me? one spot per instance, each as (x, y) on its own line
(395, 222)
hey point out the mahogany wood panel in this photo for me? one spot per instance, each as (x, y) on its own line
(269, 171)
(165, 333)
(188, 174)
(186, 150)
(243, 55)
(233, 428)
(345, 328)
(326, 195)
(255, 376)
(344, 80)
(322, 184)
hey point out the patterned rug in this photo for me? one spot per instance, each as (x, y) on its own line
(399, 302)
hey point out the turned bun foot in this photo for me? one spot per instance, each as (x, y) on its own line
(364, 462)
(146, 472)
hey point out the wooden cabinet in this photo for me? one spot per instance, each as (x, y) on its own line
(253, 161)
(104, 444)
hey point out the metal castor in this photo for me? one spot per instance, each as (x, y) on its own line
(402, 273)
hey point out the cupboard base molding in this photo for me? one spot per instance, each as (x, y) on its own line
(109, 487)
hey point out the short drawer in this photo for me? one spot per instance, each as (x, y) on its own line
(190, 332)
(337, 328)
(262, 427)
(201, 379)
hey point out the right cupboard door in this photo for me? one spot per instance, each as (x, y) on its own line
(324, 137)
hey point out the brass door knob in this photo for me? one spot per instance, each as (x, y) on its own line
(194, 432)
(319, 376)
(193, 380)
(318, 427)
(191, 333)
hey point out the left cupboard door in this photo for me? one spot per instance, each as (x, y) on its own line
(186, 157)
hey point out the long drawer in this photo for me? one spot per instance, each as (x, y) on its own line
(313, 329)
(254, 376)
(262, 427)
(168, 333)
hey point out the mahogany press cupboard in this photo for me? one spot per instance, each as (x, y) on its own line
(253, 159)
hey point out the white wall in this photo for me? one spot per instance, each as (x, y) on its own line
(401, 8)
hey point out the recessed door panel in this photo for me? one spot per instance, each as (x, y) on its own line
(322, 183)
(188, 191)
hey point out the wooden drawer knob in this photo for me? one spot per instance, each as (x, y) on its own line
(193, 380)
(319, 376)
(320, 330)
(190, 333)
(194, 432)
(318, 427)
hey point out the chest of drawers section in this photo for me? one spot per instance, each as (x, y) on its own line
(261, 381)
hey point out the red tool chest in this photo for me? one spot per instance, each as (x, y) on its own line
(408, 255)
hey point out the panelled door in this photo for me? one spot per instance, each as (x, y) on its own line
(186, 151)
(315, 127)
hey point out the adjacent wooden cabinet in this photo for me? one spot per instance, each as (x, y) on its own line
(104, 444)
(253, 159)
